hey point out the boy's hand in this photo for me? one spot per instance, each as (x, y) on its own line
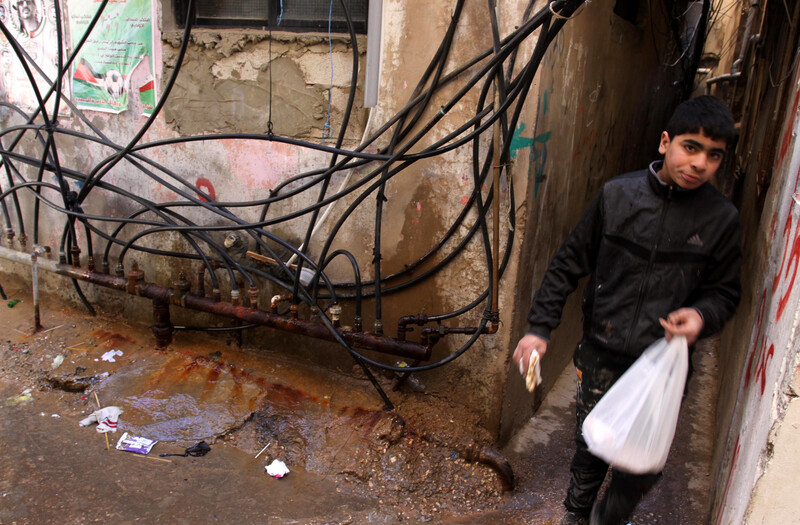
(525, 347)
(684, 321)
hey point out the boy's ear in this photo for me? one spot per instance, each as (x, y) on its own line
(664, 143)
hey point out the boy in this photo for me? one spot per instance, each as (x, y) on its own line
(662, 248)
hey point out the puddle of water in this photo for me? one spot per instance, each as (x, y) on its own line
(182, 399)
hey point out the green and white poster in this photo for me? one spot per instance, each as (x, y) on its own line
(113, 71)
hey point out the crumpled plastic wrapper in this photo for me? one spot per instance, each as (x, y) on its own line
(277, 469)
(106, 419)
(136, 444)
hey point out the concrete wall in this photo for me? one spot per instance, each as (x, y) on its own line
(766, 334)
(224, 87)
(603, 99)
(761, 347)
(756, 417)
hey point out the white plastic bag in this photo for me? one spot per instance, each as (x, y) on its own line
(633, 424)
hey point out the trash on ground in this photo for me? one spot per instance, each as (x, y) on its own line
(109, 356)
(277, 469)
(24, 397)
(135, 444)
(106, 419)
(200, 449)
(13, 302)
(263, 449)
(409, 379)
(57, 362)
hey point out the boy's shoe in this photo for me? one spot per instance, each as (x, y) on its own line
(594, 517)
(573, 518)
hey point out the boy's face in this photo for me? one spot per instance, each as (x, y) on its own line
(690, 159)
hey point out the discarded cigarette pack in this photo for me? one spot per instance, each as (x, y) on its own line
(136, 444)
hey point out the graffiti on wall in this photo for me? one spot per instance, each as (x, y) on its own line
(770, 341)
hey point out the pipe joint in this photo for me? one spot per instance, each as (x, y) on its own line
(75, 251)
(252, 295)
(180, 289)
(38, 251)
(336, 315)
(403, 322)
(134, 276)
(277, 299)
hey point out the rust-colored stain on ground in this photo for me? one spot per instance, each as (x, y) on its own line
(110, 339)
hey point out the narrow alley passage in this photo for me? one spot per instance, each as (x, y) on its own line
(350, 462)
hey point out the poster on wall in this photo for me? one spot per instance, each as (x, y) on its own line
(32, 24)
(113, 71)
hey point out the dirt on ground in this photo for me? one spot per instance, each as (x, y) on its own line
(350, 461)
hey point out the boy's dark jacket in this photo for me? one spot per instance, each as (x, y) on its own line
(650, 249)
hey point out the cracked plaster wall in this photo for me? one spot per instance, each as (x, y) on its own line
(226, 85)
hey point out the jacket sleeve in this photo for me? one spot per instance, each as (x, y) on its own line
(720, 290)
(574, 259)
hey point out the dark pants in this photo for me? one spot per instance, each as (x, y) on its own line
(597, 370)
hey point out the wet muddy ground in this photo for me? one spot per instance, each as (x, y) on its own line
(428, 461)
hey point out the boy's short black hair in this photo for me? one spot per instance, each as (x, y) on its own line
(706, 114)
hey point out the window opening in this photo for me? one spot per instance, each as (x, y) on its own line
(297, 15)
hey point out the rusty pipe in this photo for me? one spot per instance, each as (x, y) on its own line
(433, 334)
(135, 284)
(493, 459)
(277, 299)
(37, 251)
(419, 319)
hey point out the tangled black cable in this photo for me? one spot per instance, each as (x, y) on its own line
(198, 218)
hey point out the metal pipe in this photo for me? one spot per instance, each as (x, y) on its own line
(134, 284)
(277, 299)
(724, 78)
(37, 251)
(495, 460)
(374, 31)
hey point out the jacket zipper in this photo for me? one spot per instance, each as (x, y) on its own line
(648, 270)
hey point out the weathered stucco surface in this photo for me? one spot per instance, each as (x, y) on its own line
(225, 85)
(230, 78)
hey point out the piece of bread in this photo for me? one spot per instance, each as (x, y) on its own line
(534, 375)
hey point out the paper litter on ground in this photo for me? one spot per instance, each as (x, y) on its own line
(109, 356)
(277, 469)
(136, 444)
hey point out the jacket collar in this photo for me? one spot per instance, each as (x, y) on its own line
(660, 187)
